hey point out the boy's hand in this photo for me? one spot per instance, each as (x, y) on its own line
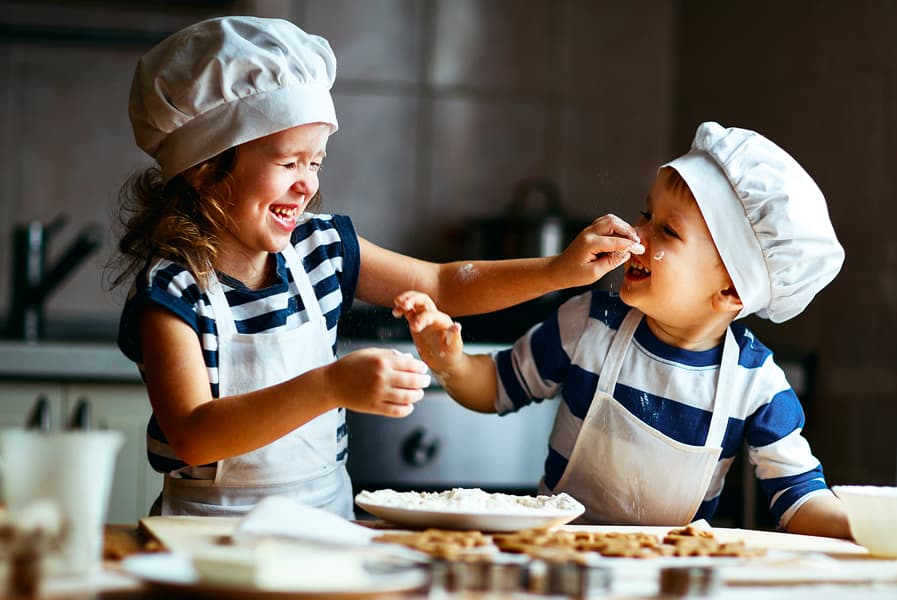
(436, 335)
(598, 249)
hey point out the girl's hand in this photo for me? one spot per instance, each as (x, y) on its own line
(598, 249)
(378, 381)
(436, 335)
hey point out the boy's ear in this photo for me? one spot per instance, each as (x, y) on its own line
(727, 300)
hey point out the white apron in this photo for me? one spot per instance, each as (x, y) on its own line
(302, 464)
(626, 472)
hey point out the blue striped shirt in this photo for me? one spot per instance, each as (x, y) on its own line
(668, 388)
(328, 248)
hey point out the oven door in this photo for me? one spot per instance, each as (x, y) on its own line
(443, 445)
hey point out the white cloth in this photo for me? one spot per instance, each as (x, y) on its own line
(302, 464)
(225, 81)
(279, 516)
(767, 217)
(625, 471)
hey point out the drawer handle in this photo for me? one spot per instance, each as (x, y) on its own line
(80, 419)
(39, 418)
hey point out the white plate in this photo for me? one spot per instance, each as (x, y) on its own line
(174, 574)
(417, 518)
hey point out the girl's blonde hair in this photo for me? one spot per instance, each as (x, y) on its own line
(179, 220)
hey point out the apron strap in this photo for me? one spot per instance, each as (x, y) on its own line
(220, 308)
(303, 283)
(722, 402)
(613, 362)
(225, 321)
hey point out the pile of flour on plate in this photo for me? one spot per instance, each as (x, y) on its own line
(473, 500)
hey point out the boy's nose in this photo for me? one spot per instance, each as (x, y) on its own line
(643, 233)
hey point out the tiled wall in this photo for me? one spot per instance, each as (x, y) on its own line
(443, 104)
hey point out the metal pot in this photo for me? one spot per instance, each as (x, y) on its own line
(533, 224)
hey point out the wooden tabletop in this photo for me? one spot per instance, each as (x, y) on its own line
(127, 539)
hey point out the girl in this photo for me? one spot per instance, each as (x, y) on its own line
(238, 289)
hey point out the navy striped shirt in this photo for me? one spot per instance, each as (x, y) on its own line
(328, 248)
(668, 388)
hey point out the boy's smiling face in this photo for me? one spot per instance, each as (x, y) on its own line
(680, 282)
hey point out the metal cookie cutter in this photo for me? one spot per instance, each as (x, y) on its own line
(689, 581)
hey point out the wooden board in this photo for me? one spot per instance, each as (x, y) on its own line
(770, 540)
(186, 534)
(794, 559)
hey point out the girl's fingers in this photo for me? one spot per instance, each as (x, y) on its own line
(409, 364)
(612, 225)
(405, 380)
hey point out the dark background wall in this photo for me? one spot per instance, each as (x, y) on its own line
(818, 77)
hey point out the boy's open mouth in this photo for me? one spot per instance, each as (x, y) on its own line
(637, 271)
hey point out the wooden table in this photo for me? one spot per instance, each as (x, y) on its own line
(820, 555)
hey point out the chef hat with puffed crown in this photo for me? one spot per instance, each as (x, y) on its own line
(767, 217)
(226, 81)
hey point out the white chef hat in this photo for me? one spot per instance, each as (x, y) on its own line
(767, 216)
(226, 81)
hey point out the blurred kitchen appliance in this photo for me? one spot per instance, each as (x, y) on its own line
(533, 224)
(442, 445)
(33, 280)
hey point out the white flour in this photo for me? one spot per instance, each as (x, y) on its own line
(464, 500)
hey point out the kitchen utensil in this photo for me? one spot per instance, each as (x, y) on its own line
(689, 581)
(872, 513)
(534, 223)
(470, 519)
(72, 469)
(33, 280)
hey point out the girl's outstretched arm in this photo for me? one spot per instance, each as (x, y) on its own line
(474, 287)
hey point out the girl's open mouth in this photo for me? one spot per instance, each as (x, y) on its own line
(285, 215)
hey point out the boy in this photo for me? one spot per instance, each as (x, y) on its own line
(659, 386)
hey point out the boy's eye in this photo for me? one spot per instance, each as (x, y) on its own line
(646, 215)
(316, 166)
(290, 166)
(669, 231)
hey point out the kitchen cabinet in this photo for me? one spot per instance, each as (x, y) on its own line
(21, 402)
(120, 406)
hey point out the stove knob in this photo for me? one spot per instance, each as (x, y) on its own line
(419, 447)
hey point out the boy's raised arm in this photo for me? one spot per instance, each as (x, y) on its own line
(469, 379)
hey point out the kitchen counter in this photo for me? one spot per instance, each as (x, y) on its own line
(65, 361)
(125, 539)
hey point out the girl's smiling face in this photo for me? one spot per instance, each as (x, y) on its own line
(676, 282)
(273, 180)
